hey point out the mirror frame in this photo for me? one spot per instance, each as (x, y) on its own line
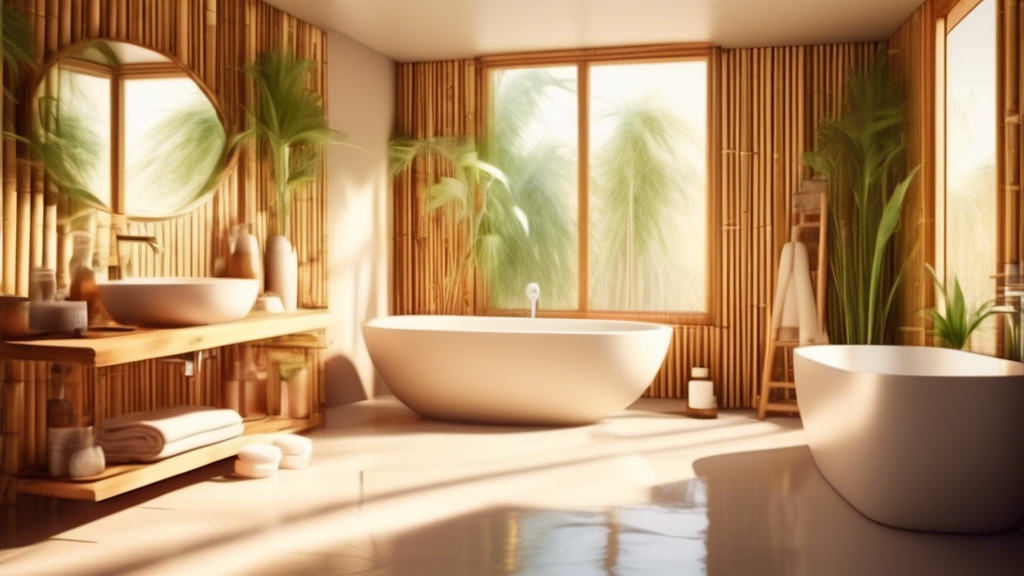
(229, 155)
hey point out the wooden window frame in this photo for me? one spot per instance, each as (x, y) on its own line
(583, 60)
(948, 15)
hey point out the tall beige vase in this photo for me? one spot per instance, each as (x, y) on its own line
(282, 271)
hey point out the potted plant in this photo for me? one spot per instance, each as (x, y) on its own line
(288, 122)
(954, 328)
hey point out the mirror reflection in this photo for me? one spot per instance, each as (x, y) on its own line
(138, 135)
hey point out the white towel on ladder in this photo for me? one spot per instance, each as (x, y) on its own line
(795, 305)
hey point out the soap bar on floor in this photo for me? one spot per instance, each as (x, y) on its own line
(247, 470)
(260, 454)
(291, 444)
(293, 462)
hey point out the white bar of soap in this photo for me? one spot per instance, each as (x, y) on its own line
(243, 468)
(293, 445)
(260, 454)
(293, 462)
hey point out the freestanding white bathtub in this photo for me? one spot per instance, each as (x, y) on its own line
(528, 371)
(919, 438)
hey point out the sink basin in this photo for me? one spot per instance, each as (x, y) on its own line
(171, 302)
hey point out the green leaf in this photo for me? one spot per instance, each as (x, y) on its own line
(886, 228)
(445, 191)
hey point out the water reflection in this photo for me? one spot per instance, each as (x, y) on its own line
(766, 513)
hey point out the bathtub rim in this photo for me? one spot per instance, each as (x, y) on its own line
(635, 326)
(803, 350)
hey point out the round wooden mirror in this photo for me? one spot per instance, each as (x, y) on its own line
(128, 130)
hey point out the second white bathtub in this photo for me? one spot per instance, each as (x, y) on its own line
(516, 370)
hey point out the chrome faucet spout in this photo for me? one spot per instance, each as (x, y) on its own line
(533, 293)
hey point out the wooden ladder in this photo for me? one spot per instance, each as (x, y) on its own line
(810, 226)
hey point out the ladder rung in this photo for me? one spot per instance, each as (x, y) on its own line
(783, 407)
(778, 384)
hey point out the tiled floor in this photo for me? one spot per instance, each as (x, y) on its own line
(643, 492)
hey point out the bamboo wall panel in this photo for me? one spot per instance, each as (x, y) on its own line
(435, 99)
(765, 105)
(1010, 134)
(214, 38)
(912, 55)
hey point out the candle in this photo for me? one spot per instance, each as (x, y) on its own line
(701, 391)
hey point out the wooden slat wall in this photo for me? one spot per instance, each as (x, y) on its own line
(768, 103)
(434, 99)
(912, 55)
(1010, 134)
(214, 38)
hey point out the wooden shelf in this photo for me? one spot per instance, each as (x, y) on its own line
(99, 349)
(118, 479)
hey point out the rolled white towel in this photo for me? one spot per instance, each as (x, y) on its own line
(149, 436)
(258, 454)
(294, 445)
(243, 468)
(294, 462)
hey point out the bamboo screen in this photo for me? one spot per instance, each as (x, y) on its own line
(768, 101)
(214, 39)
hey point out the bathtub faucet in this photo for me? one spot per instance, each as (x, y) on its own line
(533, 293)
(1019, 312)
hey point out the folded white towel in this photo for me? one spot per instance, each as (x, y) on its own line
(795, 306)
(150, 436)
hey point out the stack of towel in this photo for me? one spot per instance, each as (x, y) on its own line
(151, 436)
(263, 460)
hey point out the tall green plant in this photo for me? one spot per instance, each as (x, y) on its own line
(955, 327)
(858, 153)
(467, 192)
(289, 122)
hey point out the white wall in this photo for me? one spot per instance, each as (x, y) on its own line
(361, 103)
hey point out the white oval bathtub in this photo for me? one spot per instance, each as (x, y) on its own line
(919, 438)
(515, 370)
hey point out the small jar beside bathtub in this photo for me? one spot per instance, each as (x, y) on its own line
(700, 395)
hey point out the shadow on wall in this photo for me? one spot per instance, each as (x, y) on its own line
(767, 513)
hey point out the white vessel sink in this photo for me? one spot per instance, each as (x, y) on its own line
(170, 302)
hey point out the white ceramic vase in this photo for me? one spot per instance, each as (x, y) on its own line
(281, 271)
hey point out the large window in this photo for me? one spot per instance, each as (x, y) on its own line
(608, 208)
(970, 167)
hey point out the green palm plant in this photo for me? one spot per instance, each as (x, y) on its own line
(858, 154)
(289, 122)
(542, 186)
(642, 177)
(467, 193)
(954, 328)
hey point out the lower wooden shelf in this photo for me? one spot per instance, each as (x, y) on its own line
(121, 478)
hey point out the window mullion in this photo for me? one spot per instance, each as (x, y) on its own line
(583, 210)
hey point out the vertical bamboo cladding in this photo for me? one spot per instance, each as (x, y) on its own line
(765, 105)
(435, 99)
(214, 38)
(911, 52)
